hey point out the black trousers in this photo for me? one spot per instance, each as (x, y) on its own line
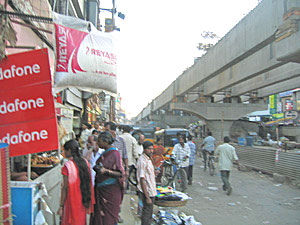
(147, 210)
(190, 173)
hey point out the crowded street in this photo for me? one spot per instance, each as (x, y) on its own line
(256, 199)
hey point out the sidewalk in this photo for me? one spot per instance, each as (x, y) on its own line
(128, 209)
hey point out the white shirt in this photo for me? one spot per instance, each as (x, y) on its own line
(180, 153)
(131, 147)
(140, 149)
(226, 154)
(94, 159)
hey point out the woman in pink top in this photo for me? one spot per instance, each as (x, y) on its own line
(77, 195)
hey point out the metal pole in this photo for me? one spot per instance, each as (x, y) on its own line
(29, 167)
(113, 13)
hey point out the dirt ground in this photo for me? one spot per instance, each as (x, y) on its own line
(255, 199)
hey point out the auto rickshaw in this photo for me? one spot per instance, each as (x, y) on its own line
(169, 138)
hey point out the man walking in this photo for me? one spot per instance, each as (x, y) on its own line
(191, 158)
(227, 154)
(131, 146)
(146, 182)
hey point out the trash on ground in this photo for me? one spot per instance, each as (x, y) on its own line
(245, 196)
(231, 203)
(248, 208)
(277, 185)
(213, 188)
(297, 198)
(208, 198)
(266, 222)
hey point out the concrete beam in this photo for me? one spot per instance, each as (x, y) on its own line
(275, 76)
(279, 87)
(256, 64)
(175, 121)
(218, 111)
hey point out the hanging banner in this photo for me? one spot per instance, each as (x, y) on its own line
(27, 113)
(85, 57)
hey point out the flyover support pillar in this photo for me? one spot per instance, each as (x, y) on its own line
(219, 128)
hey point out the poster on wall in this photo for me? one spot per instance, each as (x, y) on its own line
(85, 57)
(27, 113)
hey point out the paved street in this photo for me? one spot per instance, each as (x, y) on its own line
(256, 199)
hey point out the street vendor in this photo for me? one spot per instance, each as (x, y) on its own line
(146, 182)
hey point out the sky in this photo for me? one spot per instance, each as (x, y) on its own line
(158, 41)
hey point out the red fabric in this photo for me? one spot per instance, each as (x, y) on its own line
(108, 198)
(74, 210)
(157, 156)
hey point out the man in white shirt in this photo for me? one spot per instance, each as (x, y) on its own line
(131, 147)
(227, 154)
(181, 153)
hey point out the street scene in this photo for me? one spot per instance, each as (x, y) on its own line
(256, 199)
(149, 112)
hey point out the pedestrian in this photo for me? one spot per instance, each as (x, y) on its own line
(77, 195)
(181, 153)
(85, 133)
(227, 154)
(109, 183)
(131, 147)
(158, 158)
(146, 183)
(119, 143)
(191, 158)
(208, 147)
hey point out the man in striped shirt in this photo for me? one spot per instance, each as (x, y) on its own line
(146, 182)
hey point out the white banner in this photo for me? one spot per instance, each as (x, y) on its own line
(85, 57)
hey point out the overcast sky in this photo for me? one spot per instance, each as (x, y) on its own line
(158, 41)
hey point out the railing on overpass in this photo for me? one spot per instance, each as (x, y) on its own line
(264, 159)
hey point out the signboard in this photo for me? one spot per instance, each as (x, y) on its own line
(273, 104)
(289, 105)
(27, 114)
(86, 57)
(24, 69)
(291, 114)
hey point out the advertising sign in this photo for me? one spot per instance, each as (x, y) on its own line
(86, 57)
(273, 104)
(27, 114)
(26, 104)
(24, 69)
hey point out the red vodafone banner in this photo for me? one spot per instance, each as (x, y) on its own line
(24, 69)
(26, 104)
(85, 57)
(27, 113)
(31, 137)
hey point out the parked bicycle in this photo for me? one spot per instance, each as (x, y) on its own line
(177, 179)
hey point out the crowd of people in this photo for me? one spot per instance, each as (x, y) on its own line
(95, 177)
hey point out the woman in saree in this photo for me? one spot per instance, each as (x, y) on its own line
(109, 183)
(77, 195)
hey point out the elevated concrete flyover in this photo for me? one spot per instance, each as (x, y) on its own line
(259, 56)
(219, 117)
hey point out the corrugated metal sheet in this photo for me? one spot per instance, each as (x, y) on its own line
(264, 159)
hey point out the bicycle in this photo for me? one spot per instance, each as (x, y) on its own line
(210, 163)
(132, 178)
(177, 179)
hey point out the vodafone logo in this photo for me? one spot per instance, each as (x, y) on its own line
(19, 71)
(18, 105)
